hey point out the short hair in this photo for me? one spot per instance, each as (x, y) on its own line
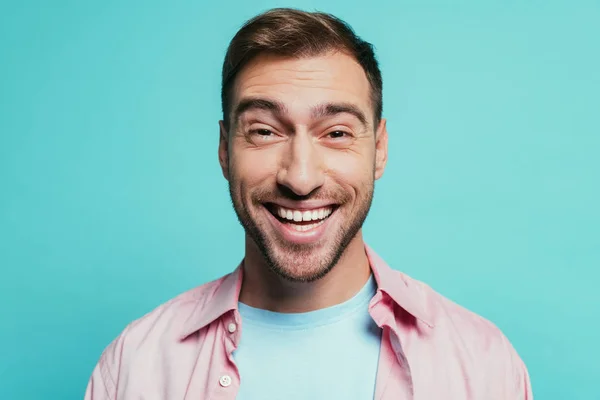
(294, 33)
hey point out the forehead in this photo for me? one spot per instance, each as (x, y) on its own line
(301, 83)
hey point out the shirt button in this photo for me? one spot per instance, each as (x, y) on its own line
(225, 380)
(231, 327)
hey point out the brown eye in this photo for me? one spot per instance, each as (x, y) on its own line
(263, 135)
(337, 134)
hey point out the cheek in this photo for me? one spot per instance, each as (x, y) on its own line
(351, 169)
(253, 168)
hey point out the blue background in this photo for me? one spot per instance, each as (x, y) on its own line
(112, 201)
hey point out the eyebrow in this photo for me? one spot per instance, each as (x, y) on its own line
(258, 104)
(332, 109)
(317, 112)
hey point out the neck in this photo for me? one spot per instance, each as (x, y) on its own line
(262, 288)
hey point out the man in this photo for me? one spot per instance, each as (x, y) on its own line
(311, 312)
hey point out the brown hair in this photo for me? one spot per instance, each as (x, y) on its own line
(293, 33)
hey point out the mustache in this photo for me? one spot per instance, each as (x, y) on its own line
(266, 195)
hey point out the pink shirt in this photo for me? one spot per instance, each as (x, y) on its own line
(431, 348)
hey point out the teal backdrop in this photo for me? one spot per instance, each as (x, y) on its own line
(112, 200)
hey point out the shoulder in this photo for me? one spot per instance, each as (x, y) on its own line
(171, 316)
(451, 315)
(476, 339)
(457, 321)
(147, 334)
(445, 313)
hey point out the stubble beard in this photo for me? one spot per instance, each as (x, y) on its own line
(303, 263)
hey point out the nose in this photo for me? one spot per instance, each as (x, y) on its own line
(302, 167)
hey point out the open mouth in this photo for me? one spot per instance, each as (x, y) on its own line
(301, 220)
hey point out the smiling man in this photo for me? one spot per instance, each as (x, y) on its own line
(311, 312)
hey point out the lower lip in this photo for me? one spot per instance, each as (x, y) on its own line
(300, 237)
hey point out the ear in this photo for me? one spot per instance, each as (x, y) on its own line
(381, 148)
(224, 149)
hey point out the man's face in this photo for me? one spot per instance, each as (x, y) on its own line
(301, 157)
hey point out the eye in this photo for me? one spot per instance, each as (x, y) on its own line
(337, 134)
(262, 135)
(262, 132)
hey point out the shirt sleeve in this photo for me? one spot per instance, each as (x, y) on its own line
(519, 381)
(102, 385)
(526, 383)
(97, 388)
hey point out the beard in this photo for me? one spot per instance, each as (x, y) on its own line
(302, 262)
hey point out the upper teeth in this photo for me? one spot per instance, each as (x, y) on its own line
(308, 215)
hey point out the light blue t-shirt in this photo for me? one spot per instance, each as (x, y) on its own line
(331, 353)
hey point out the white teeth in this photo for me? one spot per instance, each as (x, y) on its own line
(308, 215)
(303, 228)
(297, 216)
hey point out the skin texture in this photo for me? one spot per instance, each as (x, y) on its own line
(302, 142)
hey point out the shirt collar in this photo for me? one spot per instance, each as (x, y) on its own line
(403, 291)
(215, 304)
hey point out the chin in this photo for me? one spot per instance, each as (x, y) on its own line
(301, 265)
